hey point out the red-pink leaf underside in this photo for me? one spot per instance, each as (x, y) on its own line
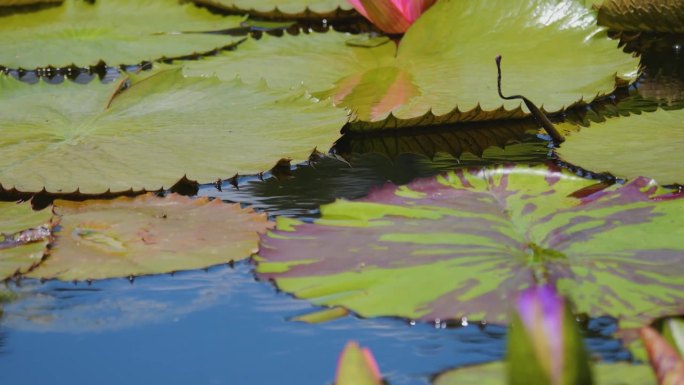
(465, 244)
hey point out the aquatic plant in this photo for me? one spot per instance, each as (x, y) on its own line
(392, 16)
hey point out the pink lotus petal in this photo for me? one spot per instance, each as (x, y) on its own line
(386, 16)
(666, 362)
(372, 364)
(359, 8)
(392, 16)
(413, 9)
(541, 309)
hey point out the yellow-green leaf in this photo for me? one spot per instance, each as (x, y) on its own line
(114, 31)
(148, 235)
(93, 138)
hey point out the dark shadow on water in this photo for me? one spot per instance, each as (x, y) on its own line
(309, 186)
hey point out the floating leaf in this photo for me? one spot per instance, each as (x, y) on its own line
(630, 146)
(642, 15)
(463, 244)
(152, 133)
(443, 70)
(117, 32)
(24, 236)
(286, 9)
(495, 374)
(321, 316)
(148, 235)
(11, 3)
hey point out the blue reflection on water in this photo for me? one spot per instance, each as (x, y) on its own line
(215, 327)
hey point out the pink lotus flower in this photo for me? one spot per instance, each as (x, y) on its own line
(545, 346)
(392, 16)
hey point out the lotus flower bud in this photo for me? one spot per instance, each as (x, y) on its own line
(392, 16)
(667, 364)
(544, 344)
(356, 366)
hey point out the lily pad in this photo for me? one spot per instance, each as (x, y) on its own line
(146, 137)
(465, 244)
(642, 15)
(148, 235)
(650, 143)
(116, 32)
(12, 3)
(286, 9)
(24, 236)
(443, 70)
(495, 374)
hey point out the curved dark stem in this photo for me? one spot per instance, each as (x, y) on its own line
(539, 116)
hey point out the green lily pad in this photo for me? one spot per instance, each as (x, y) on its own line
(12, 3)
(116, 32)
(148, 235)
(92, 138)
(464, 244)
(642, 15)
(24, 236)
(286, 9)
(650, 143)
(443, 70)
(495, 374)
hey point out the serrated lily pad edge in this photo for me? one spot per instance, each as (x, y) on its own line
(276, 14)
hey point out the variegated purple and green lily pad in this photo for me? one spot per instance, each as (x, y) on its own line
(466, 243)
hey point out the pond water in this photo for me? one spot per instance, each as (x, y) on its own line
(221, 326)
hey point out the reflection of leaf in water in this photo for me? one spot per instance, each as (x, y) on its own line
(116, 304)
(372, 93)
(463, 244)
